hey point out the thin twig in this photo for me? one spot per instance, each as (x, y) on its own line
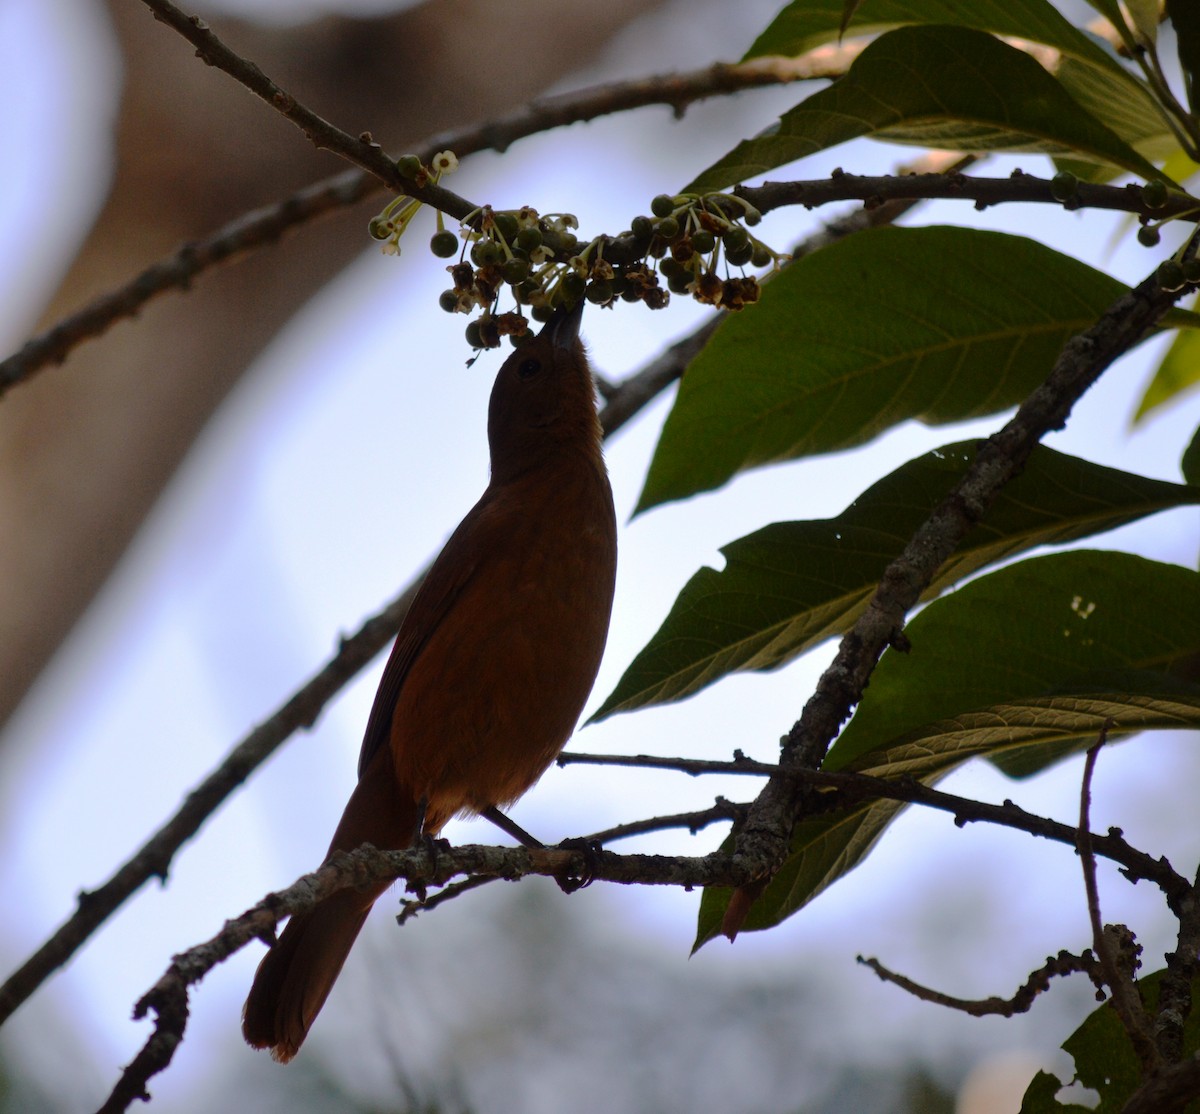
(361, 151)
(1039, 981)
(845, 790)
(1125, 997)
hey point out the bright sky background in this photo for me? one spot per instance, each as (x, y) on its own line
(334, 472)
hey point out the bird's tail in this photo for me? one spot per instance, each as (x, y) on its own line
(296, 975)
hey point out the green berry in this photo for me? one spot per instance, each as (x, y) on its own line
(668, 228)
(762, 256)
(740, 256)
(735, 238)
(1064, 186)
(448, 300)
(1191, 270)
(529, 239)
(703, 241)
(752, 216)
(642, 228)
(474, 335)
(678, 283)
(573, 286)
(1170, 275)
(1154, 194)
(409, 166)
(541, 313)
(486, 253)
(1148, 235)
(599, 292)
(444, 244)
(506, 225)
(519, 339)
(515, 270)
(663, 205)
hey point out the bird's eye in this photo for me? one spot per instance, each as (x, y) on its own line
(527, 369)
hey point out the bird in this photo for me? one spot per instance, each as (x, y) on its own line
(491, 666)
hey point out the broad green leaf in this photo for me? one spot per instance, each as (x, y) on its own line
(1045, 651)
(936, 324)
(1040, 651)
(791, 585)
(1105, 1060)
(1178, 372)
(1123, 103)
(933, 86)
(806, 24)
(1190, 464)
(848, 9)
(1143, 15)
(1185, 18)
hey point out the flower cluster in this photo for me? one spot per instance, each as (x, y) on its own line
(389, 225)
(691, 242)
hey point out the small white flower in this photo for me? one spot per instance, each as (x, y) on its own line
(445, 162)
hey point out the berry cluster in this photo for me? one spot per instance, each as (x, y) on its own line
(541, 260)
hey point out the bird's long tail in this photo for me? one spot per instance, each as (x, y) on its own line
(296, 975)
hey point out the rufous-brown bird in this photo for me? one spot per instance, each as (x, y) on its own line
(492, 664)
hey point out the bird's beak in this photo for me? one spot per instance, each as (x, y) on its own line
(563, 328)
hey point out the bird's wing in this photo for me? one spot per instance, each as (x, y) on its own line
(455, 568)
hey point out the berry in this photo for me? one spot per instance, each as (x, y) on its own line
(703, 241)
(1170, 275)
(506, 225)
(409, 166)
(740, 256)
(642, 228)
(444, 244)
(599, 292)
(515, 270)
(761, 256)
(1064, 186)
(663, 205)
(573, 285)
(1148, 236)
(1154, 194)
(668, 228)
(735, 238)
(448, 300)
(529, 239)
(474, 335)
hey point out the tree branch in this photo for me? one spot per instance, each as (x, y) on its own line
(763, 842)
(1039, 981)
(168, 998)
(984, 192)
(843, 790)
(265, 226)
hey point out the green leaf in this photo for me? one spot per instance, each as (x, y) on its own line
(1185, 18)
(848, 9)
(937, 324)
(806, 24)
(791, 585)
(1105, 1060)
(1190, 464)
(1123, 103)
(933, 86)
(1045, 651)
(1035, 652)
(1144, 16)
(1178, 372)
